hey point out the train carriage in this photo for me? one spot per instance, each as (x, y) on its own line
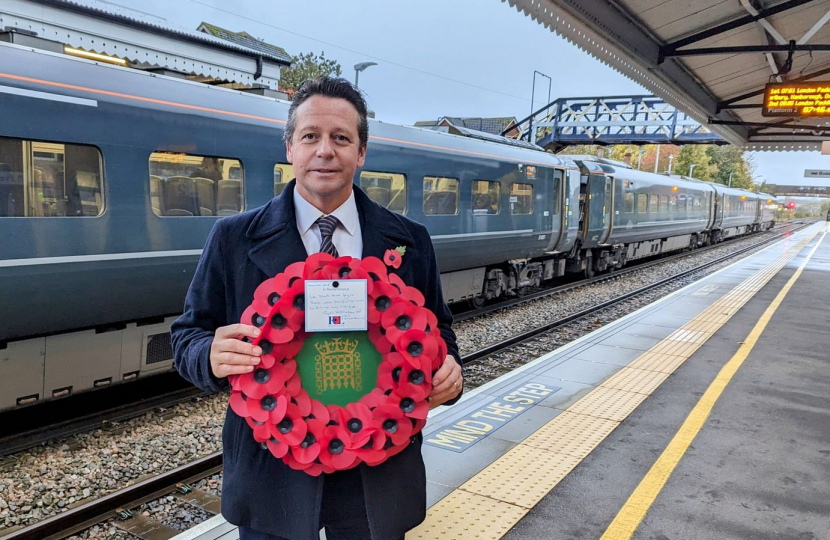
(111, 179)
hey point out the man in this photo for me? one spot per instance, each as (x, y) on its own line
(326, 138)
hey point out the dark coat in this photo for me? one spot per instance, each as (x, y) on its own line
(242, 251)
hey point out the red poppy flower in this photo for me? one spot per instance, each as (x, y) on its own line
(309, 468)
(395, 280)
(372, 451)
(262, 432)
(432, 322)
(303, 402)
(291, 430)
(267, 408)
(358, 422)
(280, 328)
(375, 268)
(239, 405)
(389, 371)
(292, 306)
(359, 273)
(393, 423)
(294, 385)
(420, 377)
(340, 268)
(315, 263)
(266, 295)
(402, 317)
(309, 448)
(378, 339)
(392, 258)
(277, 448)
(381, 298)
(413, 295)
(336, 450)
(289, 276)
(414, 344)
(408, 399)
(374, 398)
(320, 412)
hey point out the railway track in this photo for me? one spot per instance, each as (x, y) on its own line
(633, 267)
(524, 336)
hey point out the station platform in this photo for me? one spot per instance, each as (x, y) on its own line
(703, 415)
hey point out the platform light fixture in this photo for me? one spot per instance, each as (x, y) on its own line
(94, 56)
(360, 67)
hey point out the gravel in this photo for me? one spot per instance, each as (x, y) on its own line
(47, 480)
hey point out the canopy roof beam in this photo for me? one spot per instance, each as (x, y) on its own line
(737, 23)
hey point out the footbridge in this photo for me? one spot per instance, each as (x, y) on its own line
(645, 119)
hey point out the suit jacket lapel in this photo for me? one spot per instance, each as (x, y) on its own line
(379, 229)
(276, 241)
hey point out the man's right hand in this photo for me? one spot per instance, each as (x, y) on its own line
(229, 355)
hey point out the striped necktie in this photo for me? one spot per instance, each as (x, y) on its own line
(327, 225)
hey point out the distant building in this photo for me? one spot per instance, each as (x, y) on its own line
(495, 126)
(106, 32)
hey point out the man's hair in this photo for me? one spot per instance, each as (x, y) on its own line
(333, 88)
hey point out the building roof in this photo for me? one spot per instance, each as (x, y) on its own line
(244, 39)
(101, 9)
(488, 125)
(709, 58)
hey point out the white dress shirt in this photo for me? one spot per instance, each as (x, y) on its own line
(347, 236)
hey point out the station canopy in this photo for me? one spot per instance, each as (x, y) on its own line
(709, 58)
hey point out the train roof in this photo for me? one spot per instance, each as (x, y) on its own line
(135, 88)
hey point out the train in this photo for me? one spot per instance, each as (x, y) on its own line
(111, 179)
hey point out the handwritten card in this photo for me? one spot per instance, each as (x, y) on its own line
(335, 305)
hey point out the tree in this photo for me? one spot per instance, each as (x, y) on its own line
(695, 154)
(307, 66)
(729, 160)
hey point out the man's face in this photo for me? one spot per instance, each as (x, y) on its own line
(325, 150)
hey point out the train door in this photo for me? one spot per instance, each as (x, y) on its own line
(598, 209)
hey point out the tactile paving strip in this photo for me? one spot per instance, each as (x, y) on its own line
(635, 380)
(608, 403)
(495, 499)
(653, 361)
(572, 434)
(522, 476)
(462, 516)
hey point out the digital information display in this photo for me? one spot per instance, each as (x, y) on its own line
(797, 99)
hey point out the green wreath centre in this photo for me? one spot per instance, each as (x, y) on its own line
(338, 368)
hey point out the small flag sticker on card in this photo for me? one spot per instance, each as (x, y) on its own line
(335, 319)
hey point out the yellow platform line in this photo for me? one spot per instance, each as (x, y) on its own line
(638, 504)
(509, 487)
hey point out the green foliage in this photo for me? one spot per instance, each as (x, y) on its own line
(695, 154)
(729, 160)
(307, 66)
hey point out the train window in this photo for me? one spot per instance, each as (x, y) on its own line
(653, 203)
(673, 203)
(629, 203)
(558, 180)
(485, 197)
(440, 196)
(40, 179)
(521, 199)
(283, 173)
(386, 189)
(642, 203)
(188, 185)
(664, 203)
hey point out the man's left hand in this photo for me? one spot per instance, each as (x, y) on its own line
(446, 383)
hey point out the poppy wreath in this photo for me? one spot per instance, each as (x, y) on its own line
(302, 431)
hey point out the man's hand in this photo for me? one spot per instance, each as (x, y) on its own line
(446, 383)
(229, 355)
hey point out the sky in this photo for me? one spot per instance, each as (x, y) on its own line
(439, 57)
